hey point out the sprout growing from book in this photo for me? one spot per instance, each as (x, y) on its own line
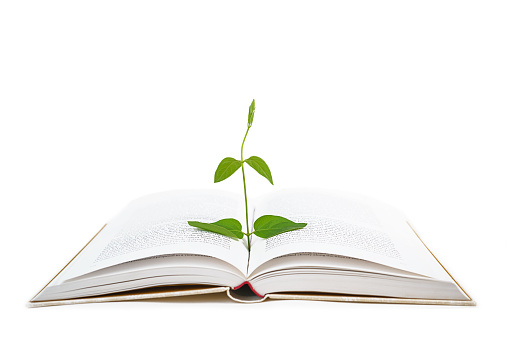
(265, 226)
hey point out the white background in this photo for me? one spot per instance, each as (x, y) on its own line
(102, 102)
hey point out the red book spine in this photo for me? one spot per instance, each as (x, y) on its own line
(251, 287)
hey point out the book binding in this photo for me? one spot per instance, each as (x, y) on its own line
(245, 293)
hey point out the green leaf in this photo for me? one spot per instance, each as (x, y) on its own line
(226, 168)
(261, 167)
(251, 114)
(270, 225)
(229, 227)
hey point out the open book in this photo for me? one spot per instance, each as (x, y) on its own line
(352, 249)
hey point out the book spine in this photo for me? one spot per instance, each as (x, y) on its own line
(250, 286)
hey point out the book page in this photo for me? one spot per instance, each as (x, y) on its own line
(157, 225)
(342, 224)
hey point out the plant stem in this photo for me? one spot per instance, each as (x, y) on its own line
(245, 191)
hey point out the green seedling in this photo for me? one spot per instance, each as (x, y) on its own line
(265, 226)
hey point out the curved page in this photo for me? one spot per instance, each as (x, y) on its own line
(345, 225)
(157, 225)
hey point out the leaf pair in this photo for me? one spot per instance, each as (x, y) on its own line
(229, 165)
(264, 227)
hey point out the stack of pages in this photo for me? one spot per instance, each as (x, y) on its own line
(352, 249)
